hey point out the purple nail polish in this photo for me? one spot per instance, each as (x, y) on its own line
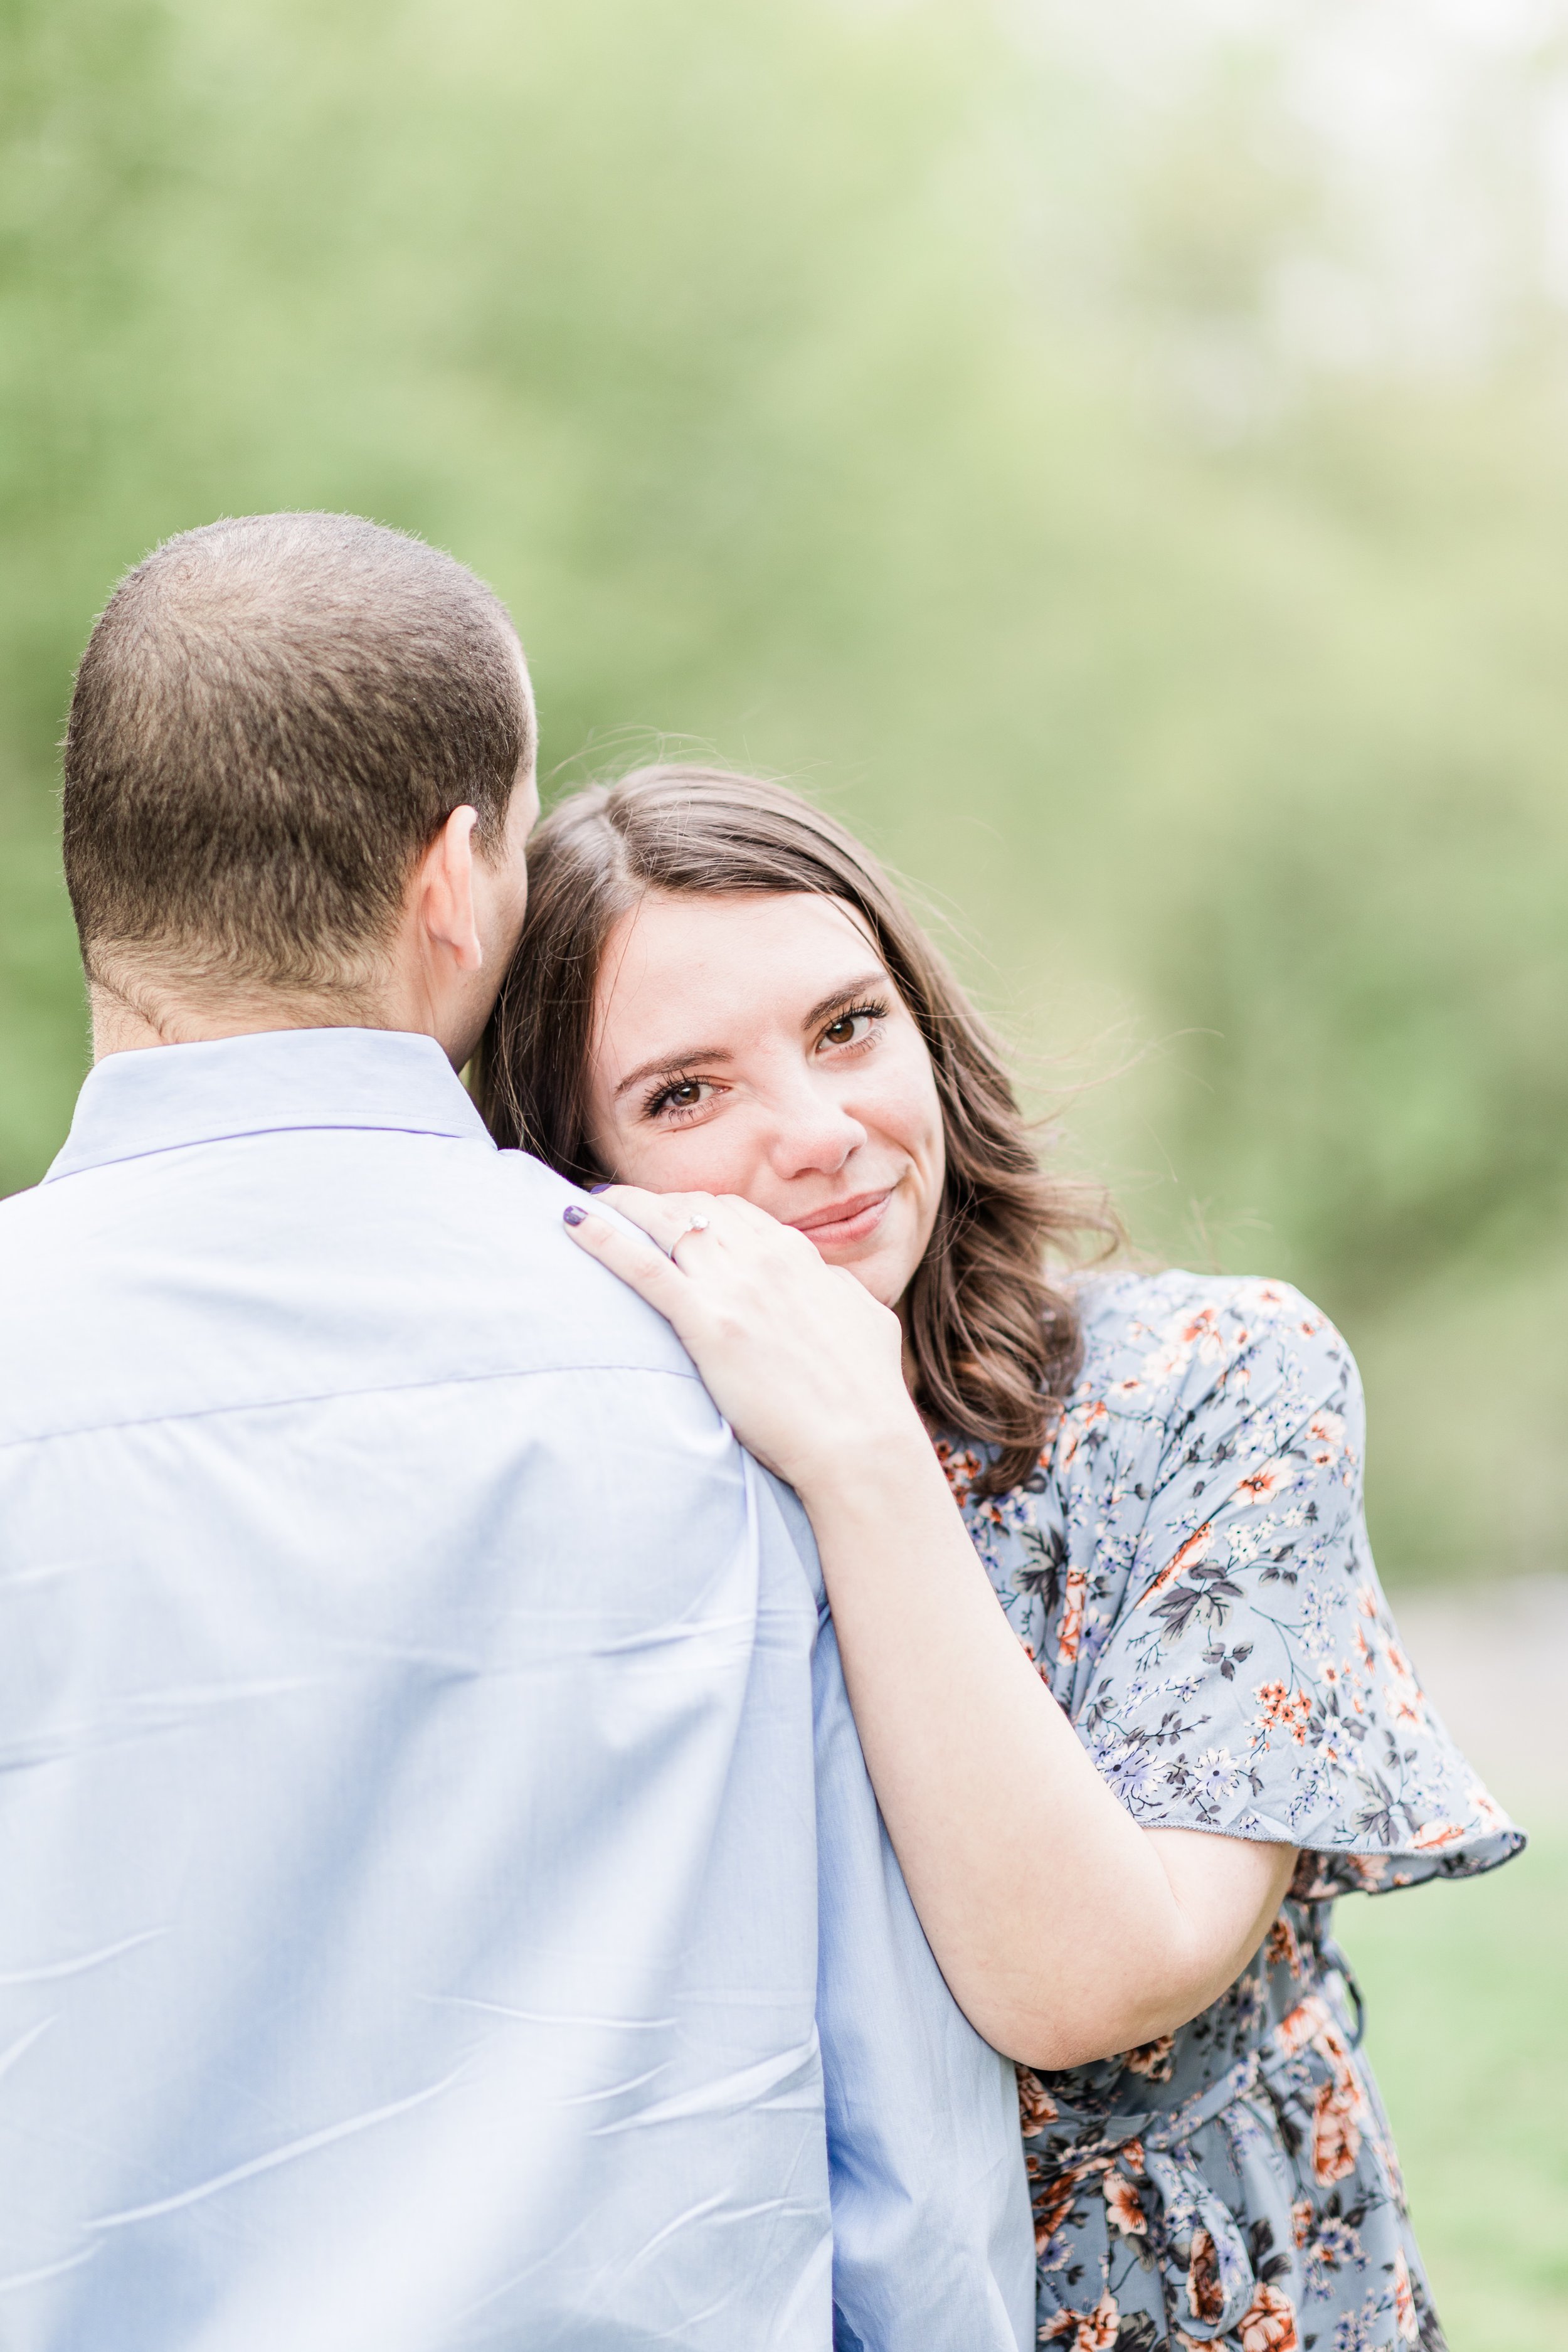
(599, 1188)
(573, 1215)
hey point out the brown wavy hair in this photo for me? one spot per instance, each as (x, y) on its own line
(996, 1345)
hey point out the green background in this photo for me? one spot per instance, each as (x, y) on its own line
(1466, 2032)
(895, 396)
(1046, 434)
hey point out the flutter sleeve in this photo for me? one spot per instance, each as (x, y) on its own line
(1252, 1681)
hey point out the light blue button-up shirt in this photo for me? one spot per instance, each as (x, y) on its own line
(441, 1900)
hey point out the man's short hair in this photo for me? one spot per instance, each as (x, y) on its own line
(274, 716)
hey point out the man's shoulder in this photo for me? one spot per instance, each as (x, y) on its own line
(276, 1266)
(512, 1244)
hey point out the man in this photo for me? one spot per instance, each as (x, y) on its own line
(413, 1700)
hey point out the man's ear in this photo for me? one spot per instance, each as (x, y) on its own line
(444, 891)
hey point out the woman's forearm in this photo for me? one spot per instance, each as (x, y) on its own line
(1064, 1930)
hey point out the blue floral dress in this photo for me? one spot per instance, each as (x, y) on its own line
(1189, 1570)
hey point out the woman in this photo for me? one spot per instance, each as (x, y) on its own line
(1124, 1799)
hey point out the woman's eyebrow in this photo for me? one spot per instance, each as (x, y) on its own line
(876, 978)
(663, 1065)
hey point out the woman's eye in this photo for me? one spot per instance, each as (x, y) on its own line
(688, 1094)
(849, 1029)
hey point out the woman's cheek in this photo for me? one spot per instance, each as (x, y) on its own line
(643, 1159)
(913, 1118)
(698, 1161)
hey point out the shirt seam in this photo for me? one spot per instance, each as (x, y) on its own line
(55, 1174)
(334, 1396)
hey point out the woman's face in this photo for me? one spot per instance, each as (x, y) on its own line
(756, 1044)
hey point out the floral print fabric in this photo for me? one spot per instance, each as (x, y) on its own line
(1189, 1570)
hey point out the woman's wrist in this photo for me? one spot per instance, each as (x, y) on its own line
(879, 1463)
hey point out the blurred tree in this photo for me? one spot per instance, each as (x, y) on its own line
(906, 398)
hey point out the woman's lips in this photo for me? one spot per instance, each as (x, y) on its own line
(854, 1219)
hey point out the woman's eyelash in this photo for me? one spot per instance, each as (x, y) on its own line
(871, 1011)
(659, 1099)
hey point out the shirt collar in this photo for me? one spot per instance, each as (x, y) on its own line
(163, 1096)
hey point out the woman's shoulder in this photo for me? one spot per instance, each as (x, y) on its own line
(1177, 1367)
(1162, 1344)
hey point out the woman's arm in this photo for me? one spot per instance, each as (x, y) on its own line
(1064, 1932)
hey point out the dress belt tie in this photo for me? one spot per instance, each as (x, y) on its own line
(1188, 2200)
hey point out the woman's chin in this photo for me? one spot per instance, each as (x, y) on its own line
(874, 1267)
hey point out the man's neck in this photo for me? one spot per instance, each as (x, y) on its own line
(126, 1019)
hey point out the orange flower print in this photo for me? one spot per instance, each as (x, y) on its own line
(1193, 1549)
(1093, 2331)
(1325, 1438)
(1341, 2115)
(1268, 2323)
(1336, 2131)
(1054, 2202)
(1075, 1426)
(1155, 2059)
(1203, 1332)
(1283, 1710)
(1436, 1834)
(1205, 2296)
(960, 1470)
(1301, 2220)
(1283, 1951)
(1124, 2207)
(1261, 1483)
(1099, 2331)
(1071, 1634)
(1306, 2022)
(1405, 2317)
(1036, 2108)
(1406, 1702)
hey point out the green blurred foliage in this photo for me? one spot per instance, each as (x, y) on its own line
(1466, 2033)
(883, 393)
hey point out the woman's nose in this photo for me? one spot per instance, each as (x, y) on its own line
(813, 1136)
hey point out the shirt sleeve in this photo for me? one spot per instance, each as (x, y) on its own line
(1254, 1682)
(933, 2242)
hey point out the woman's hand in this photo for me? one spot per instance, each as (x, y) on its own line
(802, 1362)
(1064, 1930)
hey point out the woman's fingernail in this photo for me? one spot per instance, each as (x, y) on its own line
(573, 1215)
(599, 1188)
